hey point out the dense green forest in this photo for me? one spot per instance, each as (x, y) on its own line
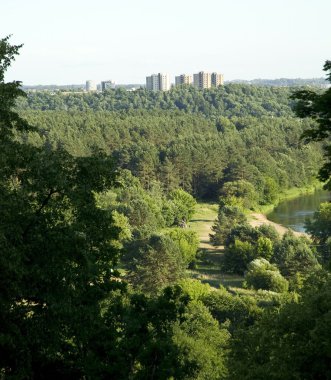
(286, 82)
(188, 151)
(94, 255)
(229, 100)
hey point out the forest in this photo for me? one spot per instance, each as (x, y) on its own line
(96, 194)
(187, 138)
(230, 100)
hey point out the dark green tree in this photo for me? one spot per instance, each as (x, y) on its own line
(240, 193)
(171, 336)
(154, 263)
(237, 256)
(228, 217)
(292, 342)
(319, 227)
(294, 255)
(318, 107)
(56, 261)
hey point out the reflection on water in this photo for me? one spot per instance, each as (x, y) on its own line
(293, 213)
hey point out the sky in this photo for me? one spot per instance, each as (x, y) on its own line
(71, 41)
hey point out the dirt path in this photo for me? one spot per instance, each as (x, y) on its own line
(209, 268)
(259, 219)
(207, 215)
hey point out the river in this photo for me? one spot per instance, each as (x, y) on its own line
(293, 213)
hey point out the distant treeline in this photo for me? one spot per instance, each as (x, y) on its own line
(228, 101)
(281, 82)
(284, 82)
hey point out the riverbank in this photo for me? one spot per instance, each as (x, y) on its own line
(206, 214)
(257, 219)
(289, 194)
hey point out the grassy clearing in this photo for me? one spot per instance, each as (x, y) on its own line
(208, 268)
(203, 219)
(217, 279)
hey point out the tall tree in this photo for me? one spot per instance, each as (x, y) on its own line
(56, 260)
(318, 107)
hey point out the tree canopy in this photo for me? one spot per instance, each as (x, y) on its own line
(56, 260)
(317, 106)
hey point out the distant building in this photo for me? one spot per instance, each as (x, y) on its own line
(90, 86)
(183, 79)
(207, 80)
(107, 84)
(217, 80)
(202, 80)
(152, 82)
(164, 82)
(158, 82)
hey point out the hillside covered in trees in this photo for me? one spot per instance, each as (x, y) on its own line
(196, 140)
(94, 249)
(229, 100)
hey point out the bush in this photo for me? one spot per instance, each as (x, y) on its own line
(187, 242)
(263, 275)
(237, 256)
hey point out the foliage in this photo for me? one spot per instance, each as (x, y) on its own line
(184, 205)
(163, 337)
(195, 289)
(227, 218)
(237, 256)
(230, 100)
(270, 191)
(245, 243)
(145, 211)
(57, 261)
(187, 151)
(137, 341)
(290, 343)
(320, 230)
(294, 255)
(121, 222)
(242, 192)
(317, 107)
(232, 309)
(263, 275)
(202, 344)
(187, 241)
(264, 248)
(66, 214)
(245, 232)
(154, 263)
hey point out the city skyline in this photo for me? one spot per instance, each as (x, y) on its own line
(67, 42)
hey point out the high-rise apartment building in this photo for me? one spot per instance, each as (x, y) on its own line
(183, 79)
(158, 82)
(217, 80)
(202, 80)
(107, 84)
(164, 82)
(207, 80)
(90, 86)
(152, 82)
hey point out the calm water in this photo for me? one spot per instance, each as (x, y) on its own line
(293, 213)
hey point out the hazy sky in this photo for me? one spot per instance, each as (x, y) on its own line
(69, 41)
